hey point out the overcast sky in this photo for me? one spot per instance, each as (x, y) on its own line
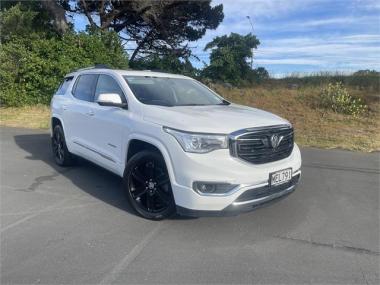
(302, 35)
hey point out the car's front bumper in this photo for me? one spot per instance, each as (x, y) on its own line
(220, 167)
(252, 198)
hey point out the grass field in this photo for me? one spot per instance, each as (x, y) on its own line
(35, 117)
(314, 126)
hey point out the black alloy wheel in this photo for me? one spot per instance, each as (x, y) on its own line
(62, 156)
(148, 187)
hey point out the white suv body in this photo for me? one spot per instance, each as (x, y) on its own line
(220, 158)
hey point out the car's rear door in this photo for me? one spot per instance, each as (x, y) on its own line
(78, 115)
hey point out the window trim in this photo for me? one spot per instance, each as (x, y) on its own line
(98, 74)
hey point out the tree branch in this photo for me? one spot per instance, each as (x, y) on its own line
(87, 13)
(59, 14)
(101, 12)
(139, 46)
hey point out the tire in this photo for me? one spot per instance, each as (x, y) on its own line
(147, 186)
(61, 154)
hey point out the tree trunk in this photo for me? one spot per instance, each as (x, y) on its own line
(59, 15)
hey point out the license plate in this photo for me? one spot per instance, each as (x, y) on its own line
(280, 177)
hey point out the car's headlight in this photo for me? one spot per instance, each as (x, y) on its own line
(198, 143)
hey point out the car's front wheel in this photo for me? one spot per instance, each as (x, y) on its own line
(147, 183)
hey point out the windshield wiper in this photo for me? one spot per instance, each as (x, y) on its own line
(191, 105)
(224, 102)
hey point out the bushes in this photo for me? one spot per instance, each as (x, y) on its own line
(31, 68)
(361, 80)
(34, 59)
(336, 98)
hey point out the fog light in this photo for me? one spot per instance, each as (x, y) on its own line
(212, 187)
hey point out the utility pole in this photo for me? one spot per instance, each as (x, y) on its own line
(249, 19)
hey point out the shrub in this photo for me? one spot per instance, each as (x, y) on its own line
(33, 61)
(336, 97)
(32, 68)
(362, 79)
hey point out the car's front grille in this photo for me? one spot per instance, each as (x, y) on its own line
(262, 145)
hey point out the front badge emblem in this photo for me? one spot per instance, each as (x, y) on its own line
(275, 141)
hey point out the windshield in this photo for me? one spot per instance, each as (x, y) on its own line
(171, 92)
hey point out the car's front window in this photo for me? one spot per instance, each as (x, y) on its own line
(171, 92)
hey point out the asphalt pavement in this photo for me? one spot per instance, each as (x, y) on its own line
(74, 226)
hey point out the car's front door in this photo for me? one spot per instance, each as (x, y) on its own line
(111, 124)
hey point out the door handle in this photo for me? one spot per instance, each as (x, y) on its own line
(64, 107)
(90, 113)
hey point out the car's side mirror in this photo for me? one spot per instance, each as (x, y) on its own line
(111, 100)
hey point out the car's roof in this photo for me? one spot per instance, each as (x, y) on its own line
(127, 72)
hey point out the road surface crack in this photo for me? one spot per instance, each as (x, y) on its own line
(332, 245)
(341, 168)
(42, 179)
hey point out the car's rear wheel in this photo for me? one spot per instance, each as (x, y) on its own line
(62, 156)
(148, 187)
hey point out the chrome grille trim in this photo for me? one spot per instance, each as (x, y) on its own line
(252, 145)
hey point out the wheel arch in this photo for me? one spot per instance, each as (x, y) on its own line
(57, 120)
(137, 143)
(54, 121)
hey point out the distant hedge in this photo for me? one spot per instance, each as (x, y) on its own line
(31, 68)
(363, 79)
(34, 58)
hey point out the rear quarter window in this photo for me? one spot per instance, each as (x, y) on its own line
(84, 88)
(64, 85)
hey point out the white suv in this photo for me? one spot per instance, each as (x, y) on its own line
(179, 146)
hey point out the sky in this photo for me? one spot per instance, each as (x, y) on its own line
(301, 36)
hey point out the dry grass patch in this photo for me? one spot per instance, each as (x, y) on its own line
(314, 126)
(34, 117)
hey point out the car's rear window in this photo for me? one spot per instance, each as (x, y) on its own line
(64, 85)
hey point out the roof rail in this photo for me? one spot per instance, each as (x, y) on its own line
(84, 68)
(159, 70)
(104, 66)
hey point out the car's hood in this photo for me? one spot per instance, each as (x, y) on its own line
(211, 119)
